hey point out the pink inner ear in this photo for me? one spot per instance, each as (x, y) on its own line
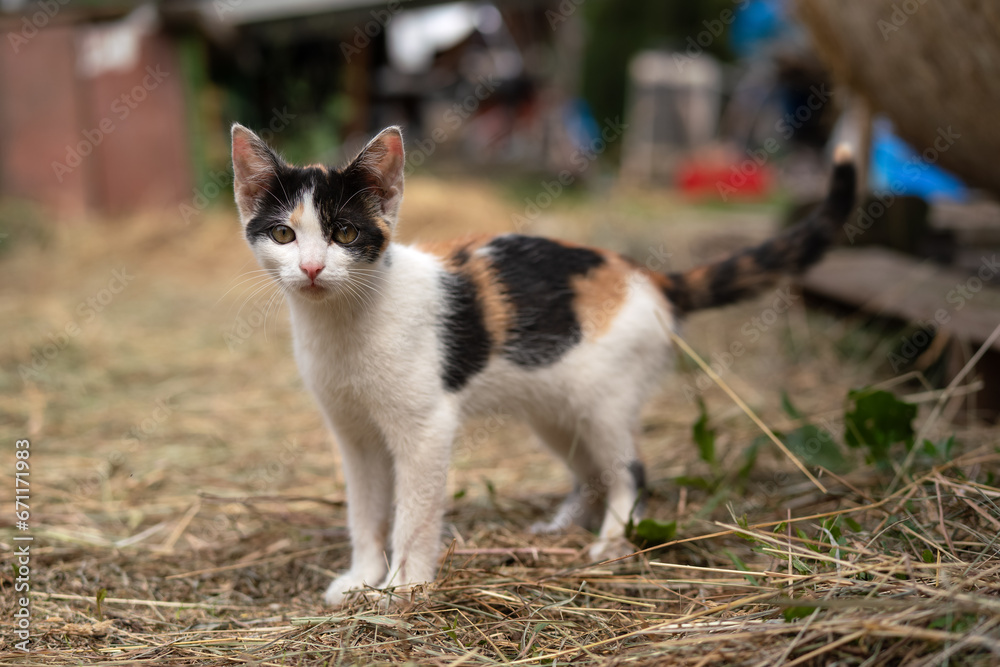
(245, 159)
(390, 163)
(393, 146)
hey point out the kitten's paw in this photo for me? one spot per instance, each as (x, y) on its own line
(552, 527)
(609, 548)
(343, 588)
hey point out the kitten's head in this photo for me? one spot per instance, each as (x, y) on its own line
(317, 230)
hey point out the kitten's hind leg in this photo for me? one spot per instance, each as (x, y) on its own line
(625, 502)
(620, 475)
(584, 505)
(575, 509)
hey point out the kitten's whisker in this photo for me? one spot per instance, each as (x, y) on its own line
(274, 196)
(242, 282)
(255, 296)
(340, 207)
(267, 309)
(356, 294)
(248, 294)
(278, 178)
(254, 283)
(369, 286)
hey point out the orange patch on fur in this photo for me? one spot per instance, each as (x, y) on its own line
(383, 227)
(601, 292)
(451, 250)
(459, 255)
(295, 217)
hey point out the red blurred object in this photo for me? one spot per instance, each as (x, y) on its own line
(724, 177)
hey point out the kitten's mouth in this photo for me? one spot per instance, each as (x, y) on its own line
(312, 290)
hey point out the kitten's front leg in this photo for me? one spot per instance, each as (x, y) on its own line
(422, 459)
(368, 473)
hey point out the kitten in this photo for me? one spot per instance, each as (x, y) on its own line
(399, 344)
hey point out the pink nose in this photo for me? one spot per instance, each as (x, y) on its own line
(311, 270)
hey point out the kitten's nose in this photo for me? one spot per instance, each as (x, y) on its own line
(311, 270)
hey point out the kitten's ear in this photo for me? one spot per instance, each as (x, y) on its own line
(255, 167)
(381, 163)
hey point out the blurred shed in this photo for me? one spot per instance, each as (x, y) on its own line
(93, 109)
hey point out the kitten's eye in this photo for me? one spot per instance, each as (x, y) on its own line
(282, 234)
(346, 234)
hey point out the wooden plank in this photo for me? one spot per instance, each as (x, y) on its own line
(884, 282)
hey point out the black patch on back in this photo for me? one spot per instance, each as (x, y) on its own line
(535, 274)
(463, 331)
(340, 198)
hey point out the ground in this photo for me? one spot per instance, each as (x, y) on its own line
(186, 505)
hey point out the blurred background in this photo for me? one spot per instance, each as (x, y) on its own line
(112, 107)
(116, 109)
(150, 362)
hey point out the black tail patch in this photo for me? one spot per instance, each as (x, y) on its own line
(752, 270)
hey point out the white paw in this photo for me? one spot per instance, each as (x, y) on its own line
(343, 588)
(549, 527)
(610, 548)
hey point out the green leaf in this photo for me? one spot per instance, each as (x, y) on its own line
(459, 494)
(800, 566)
(741, 566)
(694, 482)
(101, 594)
(795, 613)
(704, 437)
(928, 556)
(786, 405)
(816, 447)
(650, 532)
(852, 524)
(940, 450)
(750, 460)
(878, 421)
(805, 540)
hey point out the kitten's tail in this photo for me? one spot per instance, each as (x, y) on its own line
(755, 269)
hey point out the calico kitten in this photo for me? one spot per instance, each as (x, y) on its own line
(399, 344)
